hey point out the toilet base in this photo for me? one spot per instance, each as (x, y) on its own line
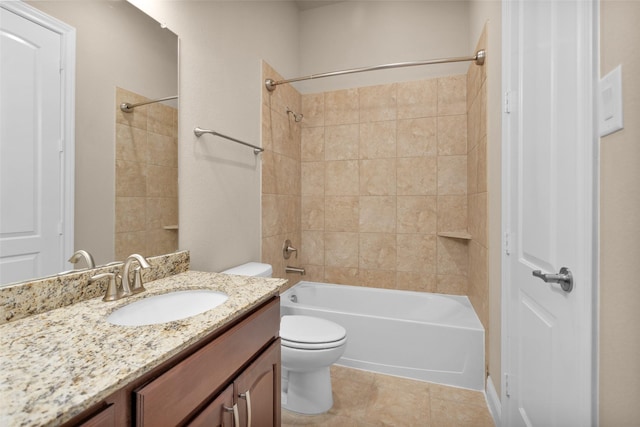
(307, 392)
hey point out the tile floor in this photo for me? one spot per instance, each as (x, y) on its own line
(366, 399)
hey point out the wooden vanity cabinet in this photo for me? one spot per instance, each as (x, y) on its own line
(193, 387)
(247, 356)
(257, 386)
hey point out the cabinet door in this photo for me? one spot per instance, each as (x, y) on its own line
(216, 413)
(104, 418)
(257, 390)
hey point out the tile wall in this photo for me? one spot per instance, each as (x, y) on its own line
(280, 176)
(383, 171)
(477, 190)
(146, 178)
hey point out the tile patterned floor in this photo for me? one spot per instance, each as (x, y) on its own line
(366, 399)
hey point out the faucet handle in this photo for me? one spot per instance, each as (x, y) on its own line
(112, 288)
(287, 249)
(137, 281)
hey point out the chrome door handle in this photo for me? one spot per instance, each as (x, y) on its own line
(564, 278)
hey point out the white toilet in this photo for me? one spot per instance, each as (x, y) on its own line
(310, 345)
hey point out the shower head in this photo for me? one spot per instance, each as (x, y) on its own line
(296, 117)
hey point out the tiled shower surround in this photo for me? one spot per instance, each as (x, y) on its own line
(146, 178)
(372, 182)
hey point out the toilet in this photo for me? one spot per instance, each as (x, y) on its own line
(309, 345)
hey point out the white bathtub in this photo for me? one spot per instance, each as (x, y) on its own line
(424, 336)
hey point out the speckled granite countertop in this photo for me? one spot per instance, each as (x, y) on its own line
(56, 364)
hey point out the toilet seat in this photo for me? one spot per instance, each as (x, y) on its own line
(311, 333)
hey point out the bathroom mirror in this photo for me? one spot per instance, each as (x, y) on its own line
(120, 51)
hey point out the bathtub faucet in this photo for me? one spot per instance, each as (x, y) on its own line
(299, 270)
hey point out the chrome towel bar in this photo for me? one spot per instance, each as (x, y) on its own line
(198, 131)
(128, 108)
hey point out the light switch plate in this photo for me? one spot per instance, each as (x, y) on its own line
(610, 102)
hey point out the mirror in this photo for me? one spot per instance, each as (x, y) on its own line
(121, 190)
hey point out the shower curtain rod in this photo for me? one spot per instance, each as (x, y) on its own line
(127, 108)
(478, 58)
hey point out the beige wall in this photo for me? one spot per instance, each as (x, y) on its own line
(222, 46)
(117, 45)
(361, 33)
(620, 224)
(384, 171)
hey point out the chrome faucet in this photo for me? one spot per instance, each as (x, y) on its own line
(112, 292)
(137, 272)
(81, 253)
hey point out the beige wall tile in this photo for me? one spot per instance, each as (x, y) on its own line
(417, 214)
(313, 110)
(131, 143)
(452, 95)
(416, 252)
(452, 135)
(377, 103)
(162, 150)
(312, 248)
(418, 177)
(161, 242)
(378, 140)
(417, 137)
(268, 172)
(378, 177)
(160, 119)
(314, 273)
(130, 214)
(417, 99)
(478, 218)
(312, 144)
(452, 175)
(131, 179)
(130, 242)
(287, 174)
(272, 217)
(416, 281)
(138, 118)
(342, 178)
(452, 213)
(453, 256)
(161, 212)
(341, 107)
(312, 211)
(449, 284)
(162, 181)
(341, 275)
(472, 171)
(312, 178)
(377, 278)
(377, 251)
(272, 252)
(377, 214)
(341, 142)
(342, 213)
(341, 249)
(267, 131)
(482, 165)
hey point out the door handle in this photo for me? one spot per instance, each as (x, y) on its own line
(564, 278)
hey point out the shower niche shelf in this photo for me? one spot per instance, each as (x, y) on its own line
(461, 235)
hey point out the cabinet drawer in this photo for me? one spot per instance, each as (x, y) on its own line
(104, 418)
(170, 398)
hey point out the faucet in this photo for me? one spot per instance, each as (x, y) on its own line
(137, 281)
(81, 253)
(112, 293)
(299, 270)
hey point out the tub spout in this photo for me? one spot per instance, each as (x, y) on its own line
(299, 270)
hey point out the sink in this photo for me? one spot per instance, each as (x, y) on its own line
(164, 308)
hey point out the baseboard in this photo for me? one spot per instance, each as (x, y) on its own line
(493, 400)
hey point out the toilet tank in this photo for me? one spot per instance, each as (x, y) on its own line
(256, 269)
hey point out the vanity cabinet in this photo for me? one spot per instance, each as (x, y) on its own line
(252, 399)
(232, 367)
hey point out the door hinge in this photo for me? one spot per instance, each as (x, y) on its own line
(507, 392)
(507, 102)
(507, 243)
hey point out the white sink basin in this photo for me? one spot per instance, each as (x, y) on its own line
(167, 307)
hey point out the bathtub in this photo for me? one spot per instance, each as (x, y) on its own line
(429, 337)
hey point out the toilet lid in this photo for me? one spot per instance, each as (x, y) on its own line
(307, 329)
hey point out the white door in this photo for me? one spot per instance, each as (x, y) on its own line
(549, 140)
(33, 209)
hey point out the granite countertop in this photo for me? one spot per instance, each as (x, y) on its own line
(56, 364)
